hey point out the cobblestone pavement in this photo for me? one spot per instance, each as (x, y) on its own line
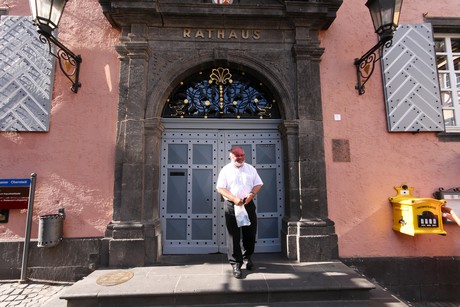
(29, 294)
(45, 294)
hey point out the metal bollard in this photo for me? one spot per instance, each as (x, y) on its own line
(50, 229)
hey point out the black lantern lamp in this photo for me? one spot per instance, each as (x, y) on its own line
(46, 15)
(385, 16)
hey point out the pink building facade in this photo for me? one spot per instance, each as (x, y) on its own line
(106, 155)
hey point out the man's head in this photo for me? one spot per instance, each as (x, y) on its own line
(237, 156)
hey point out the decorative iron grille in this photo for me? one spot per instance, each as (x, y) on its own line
(221, 93)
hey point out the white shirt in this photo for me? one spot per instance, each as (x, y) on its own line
(238, 181)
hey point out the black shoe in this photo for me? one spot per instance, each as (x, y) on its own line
(237, 270)
(249, 264)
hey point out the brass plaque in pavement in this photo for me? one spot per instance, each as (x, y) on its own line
(114, 278)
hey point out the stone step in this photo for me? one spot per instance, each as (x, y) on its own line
(206, 280)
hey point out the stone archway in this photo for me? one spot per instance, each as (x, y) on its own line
(155, 50)
(208, 112)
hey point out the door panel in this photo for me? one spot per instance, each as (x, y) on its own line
(177, 184)
(192, 212)
(202, 191)
(263, 151)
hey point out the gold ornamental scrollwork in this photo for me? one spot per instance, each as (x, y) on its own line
(221, 76)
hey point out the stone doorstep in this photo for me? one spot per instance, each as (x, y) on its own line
(273, 280)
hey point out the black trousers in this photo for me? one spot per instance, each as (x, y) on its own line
(247, 234)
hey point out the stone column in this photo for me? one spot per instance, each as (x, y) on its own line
(292, 209)
(152, 223)
(315, 233)
(127, 242)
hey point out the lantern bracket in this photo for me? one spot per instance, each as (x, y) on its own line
(46, 15)
(366, 64)
(69, 63)
(385, 18)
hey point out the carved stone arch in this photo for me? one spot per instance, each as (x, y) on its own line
(257, 68)
(160, 90)
(276, 78)
(159, 45)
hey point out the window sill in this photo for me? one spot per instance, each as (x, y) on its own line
(449, 136)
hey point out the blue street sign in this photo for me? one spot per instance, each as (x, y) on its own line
(15, 182)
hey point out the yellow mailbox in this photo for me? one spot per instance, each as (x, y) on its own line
(413, 215)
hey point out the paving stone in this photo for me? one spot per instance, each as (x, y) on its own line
(191, 277)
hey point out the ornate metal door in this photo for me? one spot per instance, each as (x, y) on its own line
(192, 211)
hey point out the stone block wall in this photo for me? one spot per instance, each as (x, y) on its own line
(413, 278)
(69, 261)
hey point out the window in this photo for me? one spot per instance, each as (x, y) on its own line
(447, 47)
(221, 93)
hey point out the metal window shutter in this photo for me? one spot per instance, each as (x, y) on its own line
(412, 94)
(26, 75)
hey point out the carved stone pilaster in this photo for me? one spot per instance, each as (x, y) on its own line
(134, 231)
(290, 133)
(308, 233)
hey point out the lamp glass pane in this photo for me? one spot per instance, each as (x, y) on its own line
(387, 14)
(374, 9)
(397, 12)
(44, 9)
(58, 8)
(33, 8)
(47, 11)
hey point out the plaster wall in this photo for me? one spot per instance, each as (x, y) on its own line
(74, 160)
(358, 190)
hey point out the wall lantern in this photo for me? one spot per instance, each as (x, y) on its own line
(46, 15)
(385, 16)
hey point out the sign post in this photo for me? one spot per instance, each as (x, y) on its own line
(30, 208)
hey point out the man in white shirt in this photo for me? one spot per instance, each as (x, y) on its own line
(238, 183)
